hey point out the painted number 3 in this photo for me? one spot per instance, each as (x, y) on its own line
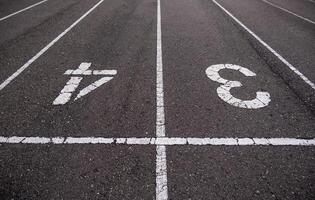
(262, 98)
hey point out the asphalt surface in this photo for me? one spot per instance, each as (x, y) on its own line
(121, 35)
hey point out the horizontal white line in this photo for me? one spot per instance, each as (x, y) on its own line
(288, 11)
(160, 141)
(29, 7)
(91, 72)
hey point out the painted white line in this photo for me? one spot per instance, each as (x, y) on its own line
(295, 70)
(161, 162)
(24, 9)
(160, 116)
(288, 11)
(41, 52)
(161, 142)
(161, 173)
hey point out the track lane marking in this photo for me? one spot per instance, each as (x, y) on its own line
(161, 141)
(41, 52)
(288, 11)
(283, 60)
(24, 9)
(161, 162)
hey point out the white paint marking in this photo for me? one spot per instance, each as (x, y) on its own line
(261, 141)
(223, 141)
(88, 140)
(121, 140)
(67, 91)
(160, 116)
(83, 69)
(93, 86)
(138, 141)
(57, 140)
(41, 52)
(198, 141)
(15, 139)
(40, 140)
(91, 72)
(160, 142)
(24, 9)
(161, 173)
(246, 141)
(288, 11)
(262, 98)
(105, 72)
(296, 71)
(3, 139)
(161, 162)
(166, 141)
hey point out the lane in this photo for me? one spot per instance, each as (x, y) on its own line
(10, 6)
(193, 107)
(77, 172)
(22, 10)
(118, 41)
(289, 12)
(24, 22)
(81, 69)
(111, 38)
(291, 37)
(118, 35)
(304, 8)
(241, 173)
(20, 43)
(196, 35)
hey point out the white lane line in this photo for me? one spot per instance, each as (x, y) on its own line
(161, 142)
(288, 11)
(295, 70)
(24, 9)
(161, 162)
(41, 52)
(160, 116)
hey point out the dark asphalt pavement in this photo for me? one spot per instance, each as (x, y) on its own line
(122, 35)
(193, 107)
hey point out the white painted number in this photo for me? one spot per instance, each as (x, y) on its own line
(73, 83)
(262, 98)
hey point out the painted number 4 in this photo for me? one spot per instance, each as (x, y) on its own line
(75, 79)
(262, 98)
